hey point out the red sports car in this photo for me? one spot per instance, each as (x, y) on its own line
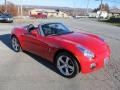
(71, 52)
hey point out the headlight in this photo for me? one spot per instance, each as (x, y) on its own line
(87, 53)
(8, 18)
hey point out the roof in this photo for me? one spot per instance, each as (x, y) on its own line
(44, 10)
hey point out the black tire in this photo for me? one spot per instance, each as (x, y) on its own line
(72, 61)
(18, 46)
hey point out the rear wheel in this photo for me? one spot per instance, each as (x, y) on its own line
(15, 44)
(67, 65)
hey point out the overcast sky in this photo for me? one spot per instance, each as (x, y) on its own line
(66, 3)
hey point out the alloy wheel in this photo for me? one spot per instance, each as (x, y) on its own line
(15, 44)
(65, 65)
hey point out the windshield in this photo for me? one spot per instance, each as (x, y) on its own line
(6, 15)
(55, 29)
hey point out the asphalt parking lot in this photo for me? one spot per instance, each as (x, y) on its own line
(24, 71)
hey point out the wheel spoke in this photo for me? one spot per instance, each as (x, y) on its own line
(61, 67)
(67, 71)
(13, 41)
(67, 60)
(16, 47)
(71, 67)
(17, 44)
(61, 60)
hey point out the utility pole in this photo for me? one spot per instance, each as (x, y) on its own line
(21, 8)
(101, 5)
(74, 8)
(5, 5)
(87, 7)
(18, 10)
(100, 9)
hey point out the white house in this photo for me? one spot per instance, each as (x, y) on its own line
(103, 14)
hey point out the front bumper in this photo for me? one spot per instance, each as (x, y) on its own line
(101, 60)
(6, 20)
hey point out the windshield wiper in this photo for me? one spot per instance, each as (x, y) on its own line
(52, 35)
(65, 33)
(60, 33)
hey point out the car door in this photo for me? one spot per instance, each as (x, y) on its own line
(36, 44)
(29, 41)
(43, 47)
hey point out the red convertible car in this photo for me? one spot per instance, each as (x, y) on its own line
(71, 52)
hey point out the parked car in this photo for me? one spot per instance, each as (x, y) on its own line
(40, 15)
(5, 17)
(71, 52)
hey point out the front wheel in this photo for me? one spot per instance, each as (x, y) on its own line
(15, 44)
(66, 65)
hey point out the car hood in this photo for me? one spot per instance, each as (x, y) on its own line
(91, 42)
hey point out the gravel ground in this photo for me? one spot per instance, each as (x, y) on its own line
(24, 71)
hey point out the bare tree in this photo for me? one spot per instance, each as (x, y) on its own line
(9, 7)
(106, 7)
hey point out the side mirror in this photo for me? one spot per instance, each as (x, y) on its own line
(34, 33)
